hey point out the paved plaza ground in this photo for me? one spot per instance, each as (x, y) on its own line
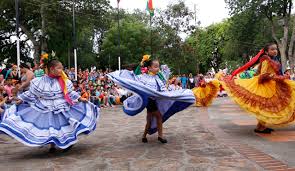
(217, 138)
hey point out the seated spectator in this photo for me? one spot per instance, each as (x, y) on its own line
(175, 85)
(39, 72)
(2, 80)
(14, 74)
(72, 74)
(287, 73)
(8, 87)
(85, 94)
(13, 99)
(6, 71)
(2, 105)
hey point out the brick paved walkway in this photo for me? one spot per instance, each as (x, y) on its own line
(234, 127)
(115, 145)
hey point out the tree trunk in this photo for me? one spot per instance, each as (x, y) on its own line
(283, 43)
(283, 48)
(197, 67)
(284, 55)
(291, 52)
(37, 52)
(44, 47)
(35, 43)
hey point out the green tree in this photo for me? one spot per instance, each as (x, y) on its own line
(7, 34)
(47, 25)
(169, 24)
(247, 34)
(135, 42)
(209, 46)
(278, 13)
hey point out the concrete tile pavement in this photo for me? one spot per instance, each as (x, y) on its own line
(238, 125)
(115, 145)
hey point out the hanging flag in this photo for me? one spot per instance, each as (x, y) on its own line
(149, 7)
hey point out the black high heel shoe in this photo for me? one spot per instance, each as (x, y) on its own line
(67, 149)
(164, 141)
(270, 129)
(52, 150)
(144, 140)
(265, 131)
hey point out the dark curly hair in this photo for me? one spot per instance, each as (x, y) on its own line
(268, 45)
(150, 62)
(52, 63)
(23, 65)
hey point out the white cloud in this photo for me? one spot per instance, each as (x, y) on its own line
(208, 11)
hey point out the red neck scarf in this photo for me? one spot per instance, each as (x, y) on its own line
(63, 87)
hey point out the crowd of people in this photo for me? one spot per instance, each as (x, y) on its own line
(93, 84)
(69, 99)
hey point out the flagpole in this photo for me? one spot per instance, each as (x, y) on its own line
(119, 41)
(17, 36)
(75, 42)
(150, 9)
(151, 41)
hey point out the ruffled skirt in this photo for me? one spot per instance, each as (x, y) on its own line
(37, 128)
(272, 102)
(168, 102)
(205, 95)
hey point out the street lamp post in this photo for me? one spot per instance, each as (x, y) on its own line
(17, 35)
(109, 61)
(119, 41)
(75, 43)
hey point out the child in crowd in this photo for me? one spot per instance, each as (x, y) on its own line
(8, 87)
(2, 105)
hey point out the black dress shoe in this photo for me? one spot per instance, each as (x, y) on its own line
(270, 129)
(67, 149)
(144, 140)
(164, 141)
(265, 131)
(52, 150)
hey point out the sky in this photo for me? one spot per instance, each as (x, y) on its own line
(208, 11)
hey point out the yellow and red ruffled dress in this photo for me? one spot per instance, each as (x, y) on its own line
(206, 92)
(268, 96)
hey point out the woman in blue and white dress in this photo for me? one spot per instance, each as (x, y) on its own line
(50, 112)
(151, 92)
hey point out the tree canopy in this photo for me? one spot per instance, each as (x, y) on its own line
(173, 36)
